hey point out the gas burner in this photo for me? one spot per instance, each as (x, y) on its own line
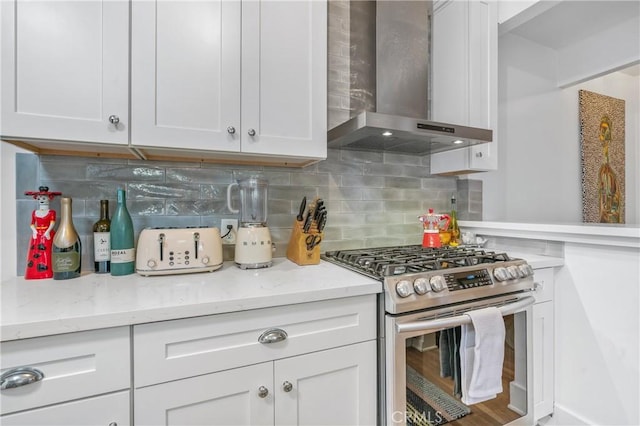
(391, 261)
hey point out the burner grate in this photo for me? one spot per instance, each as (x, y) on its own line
(390, 261)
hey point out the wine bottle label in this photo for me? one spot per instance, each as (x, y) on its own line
(123, 255)
(66, 261)
(101, 246)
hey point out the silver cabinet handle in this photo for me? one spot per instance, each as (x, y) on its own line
(287, 386)
(231, 130)
(479, 154)
(113, 424)
(263, 392)
(20, 376)
(114, 119)
(272, 335)
(251, 132)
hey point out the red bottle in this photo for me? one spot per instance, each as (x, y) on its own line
(43, 220)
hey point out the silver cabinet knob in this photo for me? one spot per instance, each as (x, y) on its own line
(287, 386)
(231, 130)
(20, 376)
(114, 119)
(479, 154)
(251, 132)
(263, 392)
(113, 424)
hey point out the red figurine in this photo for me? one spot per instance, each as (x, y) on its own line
(42, 222)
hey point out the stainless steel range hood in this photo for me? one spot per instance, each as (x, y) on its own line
(389, 73)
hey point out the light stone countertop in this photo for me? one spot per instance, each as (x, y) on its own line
(32, 308)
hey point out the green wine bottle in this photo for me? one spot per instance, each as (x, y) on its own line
(66, 254)
(123, 252)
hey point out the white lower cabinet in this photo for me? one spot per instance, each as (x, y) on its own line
(332, 387)
(83, 378)
(311, 363)
(543, 344)
(106, 410)
(229, 397)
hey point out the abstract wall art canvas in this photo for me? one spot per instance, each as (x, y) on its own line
(602, 138)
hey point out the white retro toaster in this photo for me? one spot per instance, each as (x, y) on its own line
(166, 251)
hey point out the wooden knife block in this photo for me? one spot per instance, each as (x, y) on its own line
(297, 249)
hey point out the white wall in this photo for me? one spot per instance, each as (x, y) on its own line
(538, 177)
(597, 324)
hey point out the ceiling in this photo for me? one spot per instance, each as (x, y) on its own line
(570, 21)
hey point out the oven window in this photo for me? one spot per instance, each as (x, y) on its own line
(433, 391)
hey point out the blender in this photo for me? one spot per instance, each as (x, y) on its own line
(253, 240)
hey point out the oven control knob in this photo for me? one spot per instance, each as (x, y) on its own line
(404, 288)
(513, 272)
(526, 270)
(437, 283)
(501, 274)
(421, 285)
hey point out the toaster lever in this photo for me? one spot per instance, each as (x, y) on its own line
(196, 241)
(161, 240)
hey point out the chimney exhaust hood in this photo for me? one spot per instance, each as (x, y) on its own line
(389, 84)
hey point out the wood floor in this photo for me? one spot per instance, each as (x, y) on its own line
(493, 412)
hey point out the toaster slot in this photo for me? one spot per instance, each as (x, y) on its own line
(161, 241)
(196, 242)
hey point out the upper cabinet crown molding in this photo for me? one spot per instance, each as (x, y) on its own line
(215, 80)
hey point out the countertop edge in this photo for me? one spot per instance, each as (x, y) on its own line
(600, 234)
(125, 319)
(96, 302)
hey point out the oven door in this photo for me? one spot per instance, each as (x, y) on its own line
(422, 384)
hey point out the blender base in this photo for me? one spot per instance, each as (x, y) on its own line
(253, 247)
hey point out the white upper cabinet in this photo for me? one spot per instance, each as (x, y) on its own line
(230, 76)
(465, 89)
(65, 70)
(210, 80)
(284, 78)
(185, 74)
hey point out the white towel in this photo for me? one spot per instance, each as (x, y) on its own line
(482, 355)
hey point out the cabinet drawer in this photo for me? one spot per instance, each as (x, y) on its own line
(101, 410)
(74, 365)
(177, 349)
(544, 284)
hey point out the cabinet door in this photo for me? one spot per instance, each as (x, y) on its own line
(99, 411)
(332, 387)
(65, 70)
(226, 398)
(185, 74)
(464, 85)
(543, 363)
(284, 78)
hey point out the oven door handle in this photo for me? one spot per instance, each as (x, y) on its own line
(443, 323)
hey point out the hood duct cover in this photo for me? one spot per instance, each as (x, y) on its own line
(389, 73)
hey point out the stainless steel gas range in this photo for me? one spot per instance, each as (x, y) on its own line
(427, 295)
